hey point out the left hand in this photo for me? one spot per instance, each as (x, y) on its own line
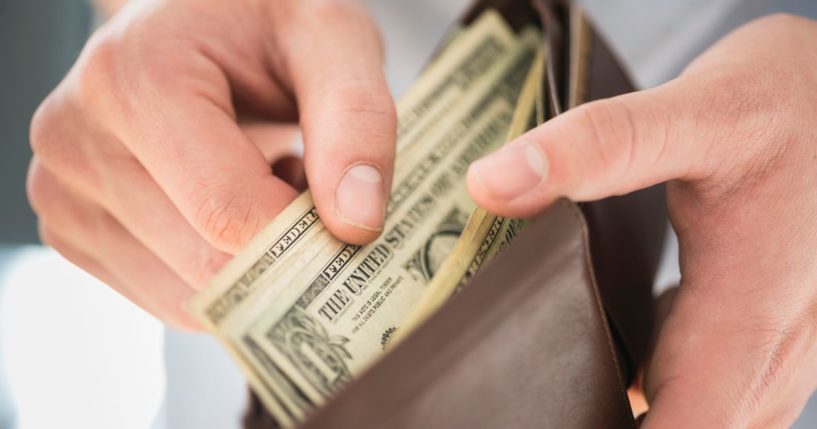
(736, 137)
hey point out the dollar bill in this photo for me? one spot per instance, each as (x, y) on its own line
(485, 235)
(296, 236)
(419, 109)
(333, 319)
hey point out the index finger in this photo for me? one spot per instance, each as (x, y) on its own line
(184, 132)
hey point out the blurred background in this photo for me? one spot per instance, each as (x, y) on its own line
(74, 354)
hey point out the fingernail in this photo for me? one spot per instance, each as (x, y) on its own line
(360, 199)
(512, 171)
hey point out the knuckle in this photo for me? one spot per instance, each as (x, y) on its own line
(364, 96)
(121, 67)
(360, 103)
(750, 128)
(98, 68)
(62, 143)
(67, 122)
(226, 220)
(612, 134)
(43, 135)
(36, 188)
(61, 148)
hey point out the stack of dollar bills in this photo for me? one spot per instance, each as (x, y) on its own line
(303, 313)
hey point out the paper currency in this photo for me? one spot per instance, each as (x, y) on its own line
(419, 109)
(484, 235)
(303, 313)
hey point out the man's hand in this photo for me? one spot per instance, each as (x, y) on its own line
(735, 135)
(152, 158)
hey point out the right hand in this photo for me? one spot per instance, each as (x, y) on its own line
(735, 137)
(145, 172)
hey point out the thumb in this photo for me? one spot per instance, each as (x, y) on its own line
(608, 147)
(347, 115)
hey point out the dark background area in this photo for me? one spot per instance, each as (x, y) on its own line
(39, 40)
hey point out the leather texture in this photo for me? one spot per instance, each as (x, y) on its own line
(526, 347)
(551, 332)
(626, 234)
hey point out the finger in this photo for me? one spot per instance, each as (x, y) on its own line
(131, 196)
(100, 167)
(181, 126)
(83, 260)
(604, 148)
(52, 238)
(76, 223)
(346, 112)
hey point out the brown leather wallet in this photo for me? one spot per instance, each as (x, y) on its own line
(551, 332)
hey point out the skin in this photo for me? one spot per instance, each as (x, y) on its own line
(152, 166)
(735, 138)
(107, 8)
(152, 157)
